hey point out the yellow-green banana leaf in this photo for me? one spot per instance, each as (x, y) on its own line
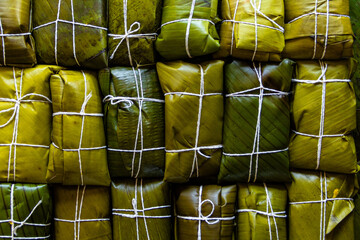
(256, 122)
(311, 33)
(186, 33)
(204, 212)
(78, 151)
(134, 118)
(71, 33)
(142, 18)
(26, 211)
(141, 209)
(321, 204)
(261, 212)
(323, 111)
(249, 34)
(16, 43)
(25, 123)
(82, 213)
(193, 118)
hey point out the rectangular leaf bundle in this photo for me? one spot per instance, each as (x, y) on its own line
(134, 113)
(193, 119)
(321, 204)
(261, 212)
(141, 209)
(256, 122)
(204, 212)
(25, 212)
(82, 213)
(16, 43)
(357, 212)
(252, 30)
(188, 29)
(323, 110)
(71, 32)
(78, 151)
(25, 123)
(132, 31)
(317, 29)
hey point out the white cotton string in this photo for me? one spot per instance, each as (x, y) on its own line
(187, 34)
(186, 20)
(315, 33)
(256, 10)
(12, 210)
(233, 27)
(318, 13)
(199, 210)
(73, 35)
(136, 151)
(197, 149)
(281, 29)
(321, 201)
(193, 94)
(128, 101)
(56, 31)
(76, 212)
(327, 29)
(22, 223)
(281, 214)
(255, 153)
(143, 207)
(272, 213)
(319, 80)
(268, 217)
(247, 93)
(321, 206)
(3, 41)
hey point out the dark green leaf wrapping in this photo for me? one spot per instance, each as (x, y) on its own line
(25, 199)
(141, 194)
(214, 202)
(89, 204)
(240, 123)
(148, 14)
(122, 122)
(90, 43)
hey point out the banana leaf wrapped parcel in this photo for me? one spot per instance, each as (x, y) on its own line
(141, 209)
(78, 151)
(321, 204)
(134, 116)
(71, 33)
(323, 110)
(132, 31)
(256, 122)
(25, 212)
(188, 29)
(25, 123)
(261, 212)
(318, 29)
(82, 213)
(204, 212)
(17, 44)
(252, 30)
(357, 212)
(193, 119)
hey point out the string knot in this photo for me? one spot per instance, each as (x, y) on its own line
(207, 218)
(117, 100)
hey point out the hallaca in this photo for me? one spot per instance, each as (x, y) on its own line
(25, 212)
(261, 212)
(323, 110)
(317, 29)
(188, 29)
(134, 116)
(204, 212)
(193, 119)
(252, 30)
(82, 213)
(25, 123)
(17, 44)
(78, 150)
(71, 33)
(141, 209)
(132, 31)
(321, 204)
(256, 122)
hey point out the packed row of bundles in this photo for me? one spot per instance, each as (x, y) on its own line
(151, 209)
(82, 33)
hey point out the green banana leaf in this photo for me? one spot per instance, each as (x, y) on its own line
(147, 14)
(25, 123)
(255, 203)
(206, 209)
(89, 206)
(202, 39)
(335, 152)
(193, 124)
(242, 135)
(252, 38)
(60, 42)
(332, 218)
(26, 211)
(78, 151)
(310, 36)
(126, 128)
(18, 48)
(141, 209)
